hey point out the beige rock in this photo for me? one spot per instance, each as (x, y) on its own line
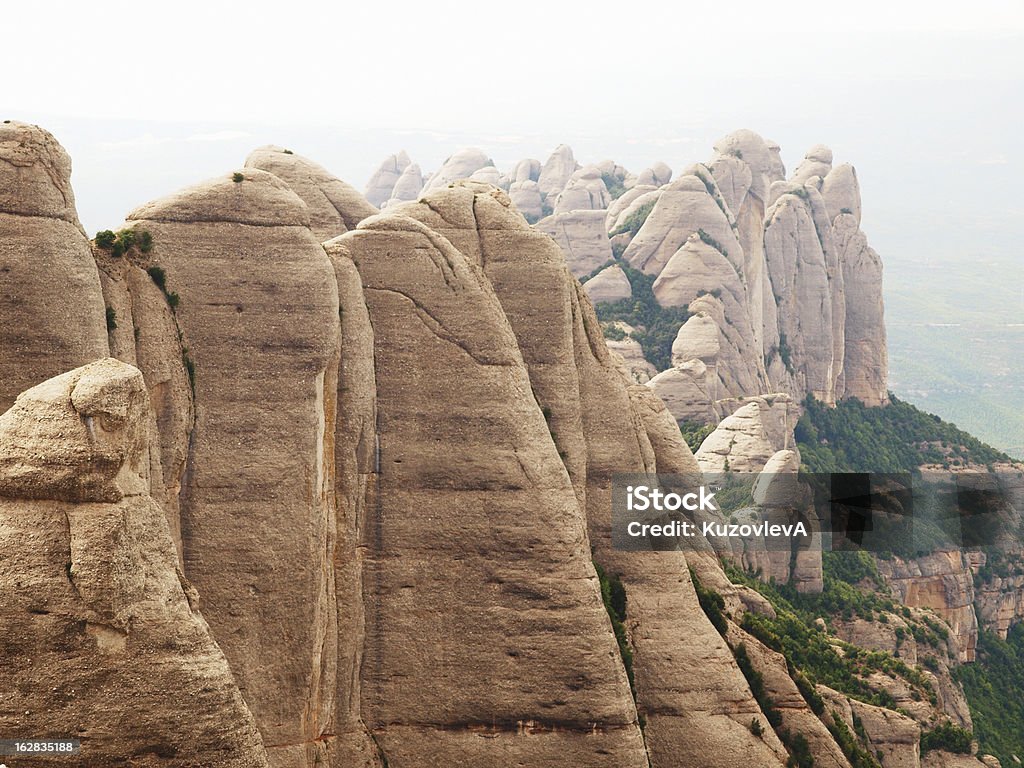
(582, 237)
(51, 305)
(525, 196)
(557, 171)
(617, 211)
(640, 371)
(740, 443)
(608, 285)
(657, 175)
(461, 165)
(526, 170)
(684, 207)
(257, 308)
(100, 626)
(408, 185)
(487, 175)
(684, 389)
(380, 188)
(817, 162)
(432, 308)
(585, 191)
(334, 206)
(866, 366)
(943, 582)
(842, 192)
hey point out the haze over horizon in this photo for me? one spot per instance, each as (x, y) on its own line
(923, 98)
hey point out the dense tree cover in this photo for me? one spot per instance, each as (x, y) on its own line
(694, 433)
(635, 220)
(891, 438)
(656, 326)
(811, 651)
(993, 686)
(613, 593)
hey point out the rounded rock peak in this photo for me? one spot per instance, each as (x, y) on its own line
(819, 153)
(742, 143)
(35, 173)
(245, 196)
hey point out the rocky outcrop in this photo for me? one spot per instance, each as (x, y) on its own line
(581, 236)
(432, 308)
(739, 443)
(608, 285)
(943, 582)
(103, 639)
(256, 303)
(585, 191)
(557, 171)
(526, 197)
(51, 305)
(460, 165)
(408, 185)
(334, 206)
(380, 188)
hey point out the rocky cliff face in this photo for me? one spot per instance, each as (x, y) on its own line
(381, 467)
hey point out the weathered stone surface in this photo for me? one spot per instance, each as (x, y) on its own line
(802, 279)
(525, 196)
(380, 188)
(433, 309)
(796, 715)
(608, 285)
(102, 637)
(51, 305)
(334, 206)
(461, 165)
(526, 170)
(842, 192)
(637, 367)
(657, 175)
(620, 208)
(557, 171)
(892, 737)
(866, 365)
(585, 191)
(684, 388)
(739, 443)
(943, 582)
(582, 237)
(684, 207)
(257, 307)
(408, 185)
(816, 163)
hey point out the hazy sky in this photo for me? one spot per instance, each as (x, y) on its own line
(923, 97)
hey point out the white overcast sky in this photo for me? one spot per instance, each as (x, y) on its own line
(923, 97)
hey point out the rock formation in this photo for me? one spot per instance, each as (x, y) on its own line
(334, 206)
(103, 640)
(382, 465)
(380, 188)
(51, 306)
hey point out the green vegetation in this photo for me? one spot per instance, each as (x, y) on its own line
(656, 326)
(635, 220)
(709, 240)
(111, 319)
(160, 279)
(613, 593)
(613, 332)
(993, 685)
(891, 438)
(712, 603)
(694, 433)
(948, 738)
(854, 751)
(120, 242)
(237, 177)
(288, 152)
(810, 651)
(614, 185)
